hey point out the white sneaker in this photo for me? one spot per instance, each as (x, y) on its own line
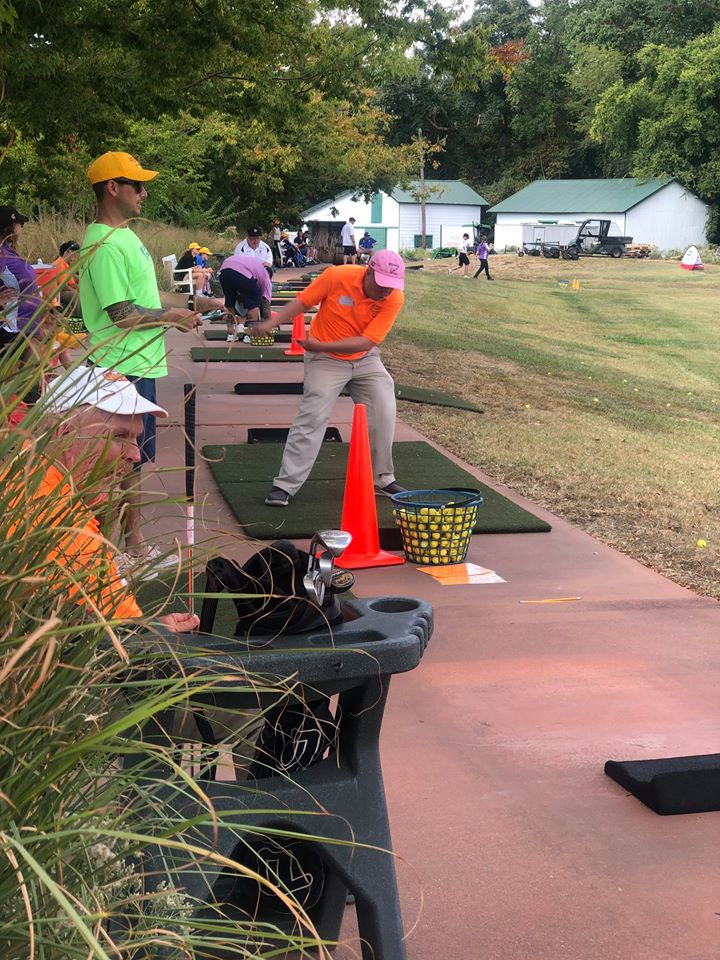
(247, 339)
(466, 276)
(145, 566)
(231, 338)
(449, 270)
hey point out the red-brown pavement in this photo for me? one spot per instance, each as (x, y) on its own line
(512, 843)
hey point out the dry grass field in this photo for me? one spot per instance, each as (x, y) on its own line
(602, 403)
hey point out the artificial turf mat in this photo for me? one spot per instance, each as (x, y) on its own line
(438, 397)
(222, 334)
(244, 475)
(239, 353)
(412, 394)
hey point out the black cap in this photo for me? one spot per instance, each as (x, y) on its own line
(255, 232)
(69, 245)
(10, 216)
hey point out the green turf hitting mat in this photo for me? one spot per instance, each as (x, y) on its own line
(244, 474)
(412, 394)
(240, 353)
(438, 397)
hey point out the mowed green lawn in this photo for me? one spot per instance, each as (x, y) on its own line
(602, 404)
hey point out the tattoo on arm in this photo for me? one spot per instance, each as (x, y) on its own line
(142, 316)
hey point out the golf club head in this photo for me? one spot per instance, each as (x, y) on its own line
(314, 586)
(334, 541)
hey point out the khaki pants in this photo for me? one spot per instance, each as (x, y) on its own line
(367, 382)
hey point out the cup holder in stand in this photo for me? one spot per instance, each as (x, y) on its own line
(394, 604)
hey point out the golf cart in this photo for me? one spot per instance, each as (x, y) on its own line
(597, 237)
(541, 239)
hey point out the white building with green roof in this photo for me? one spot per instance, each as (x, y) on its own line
(657, 211)
(452, 207)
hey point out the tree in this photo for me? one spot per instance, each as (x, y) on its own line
(668, 122)
(257, 87)
(629, 25)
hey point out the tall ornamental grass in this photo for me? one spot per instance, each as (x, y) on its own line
(77, 829)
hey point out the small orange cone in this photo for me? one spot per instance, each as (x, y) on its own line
(298, 333)
(359, 513)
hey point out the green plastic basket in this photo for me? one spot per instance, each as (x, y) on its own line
(436, 525)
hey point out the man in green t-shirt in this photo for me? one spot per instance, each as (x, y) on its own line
(123, 311)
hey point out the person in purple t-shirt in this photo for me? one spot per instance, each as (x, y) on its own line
(248, 291)
(481, 252)
(25, 309)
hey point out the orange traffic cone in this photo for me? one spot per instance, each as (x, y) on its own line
(298, 333)
(359, 514)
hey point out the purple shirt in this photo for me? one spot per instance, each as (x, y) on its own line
(482, 251)
(250, 267)
(18, 275)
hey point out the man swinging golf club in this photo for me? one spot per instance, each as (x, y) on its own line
(358, 306)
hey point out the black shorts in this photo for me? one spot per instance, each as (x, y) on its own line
(240, 289)
(349, 251)
(265, 309)
(463, 260)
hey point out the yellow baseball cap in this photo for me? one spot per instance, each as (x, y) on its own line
(193, 246)
(112, 165)
(205, 250)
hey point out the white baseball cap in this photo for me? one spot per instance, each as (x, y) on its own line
(98, 387)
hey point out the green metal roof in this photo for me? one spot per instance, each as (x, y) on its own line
(444, 191)
(586, 196)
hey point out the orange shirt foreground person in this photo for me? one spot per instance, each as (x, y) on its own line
(92, 443)
(80, 561)
(357, 308)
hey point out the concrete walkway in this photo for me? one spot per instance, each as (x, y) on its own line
(513, 845)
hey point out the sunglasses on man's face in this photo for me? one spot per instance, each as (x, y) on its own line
(137, 185)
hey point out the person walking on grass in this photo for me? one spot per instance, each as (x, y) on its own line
(481, 253)
(358, 306)
(125, 317)
(463, 258)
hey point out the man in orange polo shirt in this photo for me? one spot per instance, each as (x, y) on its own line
(93, 444)
(358, 306)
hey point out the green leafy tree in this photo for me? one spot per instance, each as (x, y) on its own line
(629, 25)
(668, 122)
(258, 88)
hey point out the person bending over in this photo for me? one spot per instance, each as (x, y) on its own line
(358, 306)
(248, 292)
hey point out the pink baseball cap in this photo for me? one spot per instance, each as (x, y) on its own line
(389, 269)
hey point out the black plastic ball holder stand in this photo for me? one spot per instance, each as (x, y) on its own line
(348, 669)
